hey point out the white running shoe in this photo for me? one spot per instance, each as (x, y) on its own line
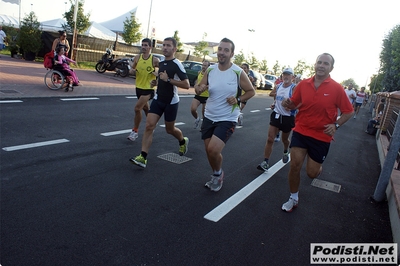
(133, 136)
(196, 123)
(290, 205)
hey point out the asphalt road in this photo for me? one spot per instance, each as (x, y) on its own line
(81, 202)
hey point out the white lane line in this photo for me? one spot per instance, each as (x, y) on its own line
(34, 145)
(254, 111)
(79, 99)
(131, 97)
(268, 108)
(224, 208)
(112, 133)
(11, 101)
(176, 124)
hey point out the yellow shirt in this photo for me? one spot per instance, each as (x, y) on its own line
(144, 73)
(199, 78)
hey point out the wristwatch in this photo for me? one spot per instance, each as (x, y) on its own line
(168, 80)
(238, 100)
(337, 126)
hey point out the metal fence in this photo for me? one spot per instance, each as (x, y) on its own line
(390, 129)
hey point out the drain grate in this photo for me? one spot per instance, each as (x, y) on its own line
(174, 158)
(326, 185)
(9, 91)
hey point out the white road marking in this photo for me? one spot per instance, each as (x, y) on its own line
(224, 208)
(254, 111)
(268, 109)
(79, 99)
(11, 101)
(176, 124)
(34, 145)
(131, 97)
(112, 133)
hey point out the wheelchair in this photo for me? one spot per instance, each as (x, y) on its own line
(54, 79)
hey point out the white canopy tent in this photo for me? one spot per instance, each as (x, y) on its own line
(117, 24)
(6, 20)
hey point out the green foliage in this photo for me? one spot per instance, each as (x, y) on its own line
(239, 58)
(390, 60)
(199, 48)
(82, 20)
(11, 39)
(277, 68)
(29, 38)
(376, 83)
(131, 32)
(263, 66)
(348, 81)
(178, 41)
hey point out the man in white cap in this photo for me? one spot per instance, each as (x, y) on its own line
(281, 119)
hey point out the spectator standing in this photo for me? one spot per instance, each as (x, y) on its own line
(359, 101)
(61, 41)
(144, 65)
(199, 99)
(225, 82)
(281, 119)
(171, 75)
(318, 100)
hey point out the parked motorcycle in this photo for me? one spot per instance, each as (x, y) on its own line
(109, 63)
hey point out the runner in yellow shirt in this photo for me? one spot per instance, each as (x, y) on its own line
(145, 65)
(199, 99)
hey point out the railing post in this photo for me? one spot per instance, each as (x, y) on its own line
(387, 169)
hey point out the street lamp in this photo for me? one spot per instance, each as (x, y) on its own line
(65, 9)
(248, 44)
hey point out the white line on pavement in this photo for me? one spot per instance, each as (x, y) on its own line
(176, 124)
(11, 101)
(79, 99)
(112, 133)
(224, 208)
(34, 145)
(254, 111)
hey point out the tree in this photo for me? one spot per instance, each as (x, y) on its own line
(263, 66)
(390, 60)
(348, 81)
(179, 44)
(131, 32)
(82, 21)
(276, 68)
(376, 83)
(30, 35)
(239, 58)
(199, 49)
(253, 62)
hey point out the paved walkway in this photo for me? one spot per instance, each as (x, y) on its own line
(22, 79)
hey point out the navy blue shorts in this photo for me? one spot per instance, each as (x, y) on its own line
(170, 111)
(316, 149)
(223, 130)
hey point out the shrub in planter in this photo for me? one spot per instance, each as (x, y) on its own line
(29, 38)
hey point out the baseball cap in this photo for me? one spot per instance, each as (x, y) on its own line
(288, 70)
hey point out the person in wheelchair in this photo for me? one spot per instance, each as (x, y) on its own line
(61, 63)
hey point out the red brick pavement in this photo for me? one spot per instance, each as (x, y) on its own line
(22, 79)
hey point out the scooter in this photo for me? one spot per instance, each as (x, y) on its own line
(109, 63)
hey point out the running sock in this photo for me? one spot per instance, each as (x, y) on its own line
(285, 151)
(218, 173)
(144, 154)
(182, 142)
(295, 196)
(266, 160)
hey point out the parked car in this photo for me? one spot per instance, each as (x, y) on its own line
(269, 81)
(192, 70)
(260, 80)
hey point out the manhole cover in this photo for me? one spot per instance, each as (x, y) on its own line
(174, 158)
(326, 185)
(9, 91)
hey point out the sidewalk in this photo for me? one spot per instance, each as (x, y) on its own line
(22, 79)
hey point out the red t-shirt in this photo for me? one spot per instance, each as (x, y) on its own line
(319, 107)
